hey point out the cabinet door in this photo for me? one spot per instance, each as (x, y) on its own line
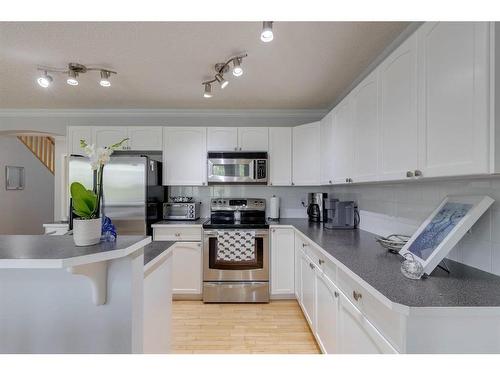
(222, 139)
(280, 156)
(75, 134)
(298, 265)
(145, 138)
(326, 147)
(187, 268)
(184, 156)
(327, 314)
(398, 112)
(342, 150)
(356, 335)
(308, 280)
(365, 124)
(253, 139)
(453, 63)
(282, 261)
(306, 155)
(107, 135)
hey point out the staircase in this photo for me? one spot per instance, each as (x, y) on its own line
(42, 147)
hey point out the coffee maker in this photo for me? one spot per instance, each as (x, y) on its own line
(315, 207)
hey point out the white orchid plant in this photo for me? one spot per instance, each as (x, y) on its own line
(99, 157)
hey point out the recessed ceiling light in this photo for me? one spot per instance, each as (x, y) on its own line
(72, 78)
(208, 91)
(104, 82)
(223, 83)
(237, 69)
(267, 31)
(44, 80)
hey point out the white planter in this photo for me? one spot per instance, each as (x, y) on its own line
(86, 232)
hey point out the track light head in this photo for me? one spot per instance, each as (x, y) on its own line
(223, 82)
(72, 78)
(237, 69)
(44, 80)
(208, 91)
(104, 82)
(267, 31)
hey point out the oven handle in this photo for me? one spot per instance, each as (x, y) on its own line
(253, 169)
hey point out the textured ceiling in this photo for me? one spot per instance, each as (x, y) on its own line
(161, 65)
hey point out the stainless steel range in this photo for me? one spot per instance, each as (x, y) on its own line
(236, 251)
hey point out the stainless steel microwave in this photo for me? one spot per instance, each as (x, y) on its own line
(237, 168)
(181, 211)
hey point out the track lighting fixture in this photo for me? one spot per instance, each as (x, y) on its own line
(44, 80)
(208, 90)
(267, 31)
(73, 71)
(220, 70)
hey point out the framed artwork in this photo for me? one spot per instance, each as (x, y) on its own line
(444, 227)
(14, 178)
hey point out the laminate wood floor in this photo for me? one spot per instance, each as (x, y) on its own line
(277, 327)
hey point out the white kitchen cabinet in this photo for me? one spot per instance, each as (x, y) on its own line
(327, 314)
(280, 156)
(282, 262)
(253, 139)
(184, 156)
(298, 278)
(326, 148)
(453, 64)
(356, 335)
(308, 289)
(366, 129)
(187, 269)
(222, 139)
(306, 155)
(342, 145)
(398, 154)
(104, 136)
(145, 138)
(75, 134)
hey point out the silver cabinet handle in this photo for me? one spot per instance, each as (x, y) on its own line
(274, 230)
(409, 174)
(418, 173)
(240, 148)
(293, 183)
(321, 261)
(304, 244)
(311, 265)
(346, 180)
(356, 295)
(336, 294)
(330, 181)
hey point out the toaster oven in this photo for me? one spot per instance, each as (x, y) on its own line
(181, 211)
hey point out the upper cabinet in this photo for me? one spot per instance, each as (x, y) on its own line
(366, 130)
(453, 66)
(306, 154)
(342, 147)
(280, 156)
(222, 139)
(398, 113)
(74, 135)
(107, 135)
(237, 139)
(145, 138)
(184, 156)
(326, 147)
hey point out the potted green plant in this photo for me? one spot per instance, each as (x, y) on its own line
(87, 203)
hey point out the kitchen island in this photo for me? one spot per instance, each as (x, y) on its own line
(60, 298)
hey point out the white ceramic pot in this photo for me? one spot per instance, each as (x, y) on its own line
(86, 232)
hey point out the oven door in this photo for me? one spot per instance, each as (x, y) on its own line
(176, 211)
(257, 270)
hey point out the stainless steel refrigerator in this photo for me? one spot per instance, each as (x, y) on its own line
(133, 194)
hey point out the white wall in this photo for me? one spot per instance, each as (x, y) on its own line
(24, 211)
(400, 208)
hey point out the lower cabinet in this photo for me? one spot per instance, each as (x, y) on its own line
(187, 269)
(282, 262)
(308, 292)
(356, 334)
(327, 314)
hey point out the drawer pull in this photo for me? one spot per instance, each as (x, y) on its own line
(311, 265)
(321, 261)
(336, 294)
(305, 244)
(356, 295)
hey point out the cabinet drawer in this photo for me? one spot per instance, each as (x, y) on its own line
(177, 233)
(319, 259)
(388, 322)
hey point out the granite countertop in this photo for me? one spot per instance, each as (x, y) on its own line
(44, 251)
(358, 251)
(155, 248)
(199, 221)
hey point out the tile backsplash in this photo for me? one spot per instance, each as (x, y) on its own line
(401, 208)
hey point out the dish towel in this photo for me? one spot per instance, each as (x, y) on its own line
(235, 246)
